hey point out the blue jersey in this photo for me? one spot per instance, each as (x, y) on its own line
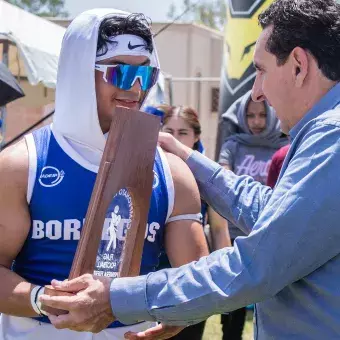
(60, 190)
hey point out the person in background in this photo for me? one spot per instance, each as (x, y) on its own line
(276, 165)
(248, 153)
(182, 122)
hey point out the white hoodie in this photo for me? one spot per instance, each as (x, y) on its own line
(76, 117)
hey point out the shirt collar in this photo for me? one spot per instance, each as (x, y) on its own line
(329, 101)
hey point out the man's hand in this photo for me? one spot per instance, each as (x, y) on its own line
(172, 145)
(158, 332)
(89, 309)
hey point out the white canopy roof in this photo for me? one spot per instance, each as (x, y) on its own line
(38, 43)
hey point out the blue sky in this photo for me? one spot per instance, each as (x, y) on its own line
(155, 9)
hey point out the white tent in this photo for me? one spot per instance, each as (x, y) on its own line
(37, 41)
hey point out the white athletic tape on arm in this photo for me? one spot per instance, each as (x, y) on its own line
(33, 296)
(193, 217)
(35, 303)
(38, 302)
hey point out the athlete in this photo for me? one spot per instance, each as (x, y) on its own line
(108, 59)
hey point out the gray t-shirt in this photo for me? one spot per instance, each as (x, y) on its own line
(248, 160)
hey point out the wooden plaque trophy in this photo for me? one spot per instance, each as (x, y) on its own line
(112, 238)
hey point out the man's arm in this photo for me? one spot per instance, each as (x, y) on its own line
(239, 199)
(14, 227)
(284, 246)
(184, 239)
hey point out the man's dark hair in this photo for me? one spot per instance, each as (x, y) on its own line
(313, 25)
(136, 24)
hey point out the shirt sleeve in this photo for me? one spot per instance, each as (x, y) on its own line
(239, 199)
(227, 154)
(284, 246)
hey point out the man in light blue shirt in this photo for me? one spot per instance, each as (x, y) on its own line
(289, 265)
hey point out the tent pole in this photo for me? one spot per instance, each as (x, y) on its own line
(23, 133)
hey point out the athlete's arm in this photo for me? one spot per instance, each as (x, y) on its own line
(14, 227)
(184, 239)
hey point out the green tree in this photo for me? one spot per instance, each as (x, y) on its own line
(46, 8)
(211, 13)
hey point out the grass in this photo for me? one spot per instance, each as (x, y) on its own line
(213, 330)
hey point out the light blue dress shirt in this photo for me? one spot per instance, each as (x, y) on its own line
(289, 265)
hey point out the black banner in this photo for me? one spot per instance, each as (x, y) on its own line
(238, 73)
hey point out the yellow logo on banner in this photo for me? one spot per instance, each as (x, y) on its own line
(241, 32)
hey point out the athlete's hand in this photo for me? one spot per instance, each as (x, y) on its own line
(89, 309)
(171, 144)
(158, 332)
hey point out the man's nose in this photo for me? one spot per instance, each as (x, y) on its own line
(257, 94)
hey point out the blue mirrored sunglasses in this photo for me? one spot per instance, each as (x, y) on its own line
(124, 76)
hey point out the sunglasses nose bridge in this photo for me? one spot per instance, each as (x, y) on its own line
(138, 79)
(135, 87)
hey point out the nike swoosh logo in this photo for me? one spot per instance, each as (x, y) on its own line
(132, 47)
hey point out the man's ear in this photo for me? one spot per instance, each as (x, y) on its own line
(300, 64)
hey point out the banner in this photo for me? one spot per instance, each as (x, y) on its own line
(238, 73)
